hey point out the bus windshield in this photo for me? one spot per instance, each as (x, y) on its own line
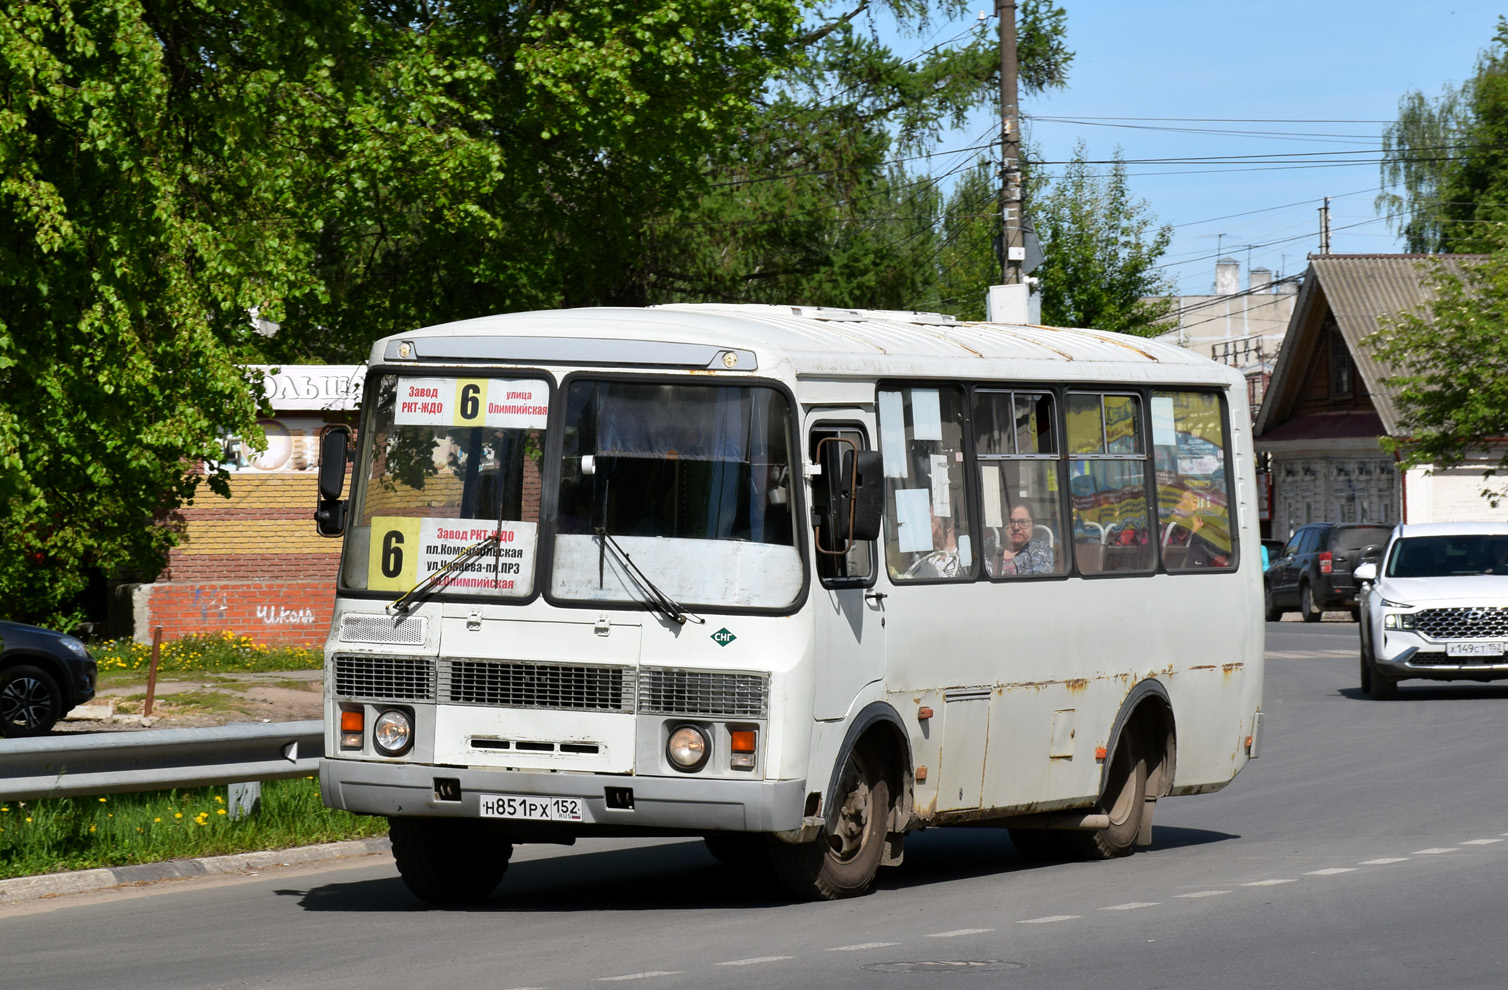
(446, 464)
(691, 481)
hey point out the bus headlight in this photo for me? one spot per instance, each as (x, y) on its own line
(393, 732)
(688, 748)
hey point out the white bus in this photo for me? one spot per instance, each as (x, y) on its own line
(795, 580)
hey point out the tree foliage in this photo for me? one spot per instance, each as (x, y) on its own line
(1445, 160)
(1450, 364)
(1100, 248)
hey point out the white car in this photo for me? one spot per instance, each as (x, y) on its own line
(1435, 606)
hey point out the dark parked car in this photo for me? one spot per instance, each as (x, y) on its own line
(1313, 573)
(42, 675)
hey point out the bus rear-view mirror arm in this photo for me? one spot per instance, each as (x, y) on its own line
(330, 511)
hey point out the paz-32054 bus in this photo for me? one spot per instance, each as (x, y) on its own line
(798, 581)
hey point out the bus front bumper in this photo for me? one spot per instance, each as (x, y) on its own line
(611, 803)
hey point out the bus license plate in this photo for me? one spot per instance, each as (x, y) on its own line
(1483, 649)
(532, 807)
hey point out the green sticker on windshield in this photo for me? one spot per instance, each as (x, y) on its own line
(723, 637)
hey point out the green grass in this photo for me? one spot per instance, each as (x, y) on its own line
(226, 653)
(83, 833)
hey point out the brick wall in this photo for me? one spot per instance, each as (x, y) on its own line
(251, 565)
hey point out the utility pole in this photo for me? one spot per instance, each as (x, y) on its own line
(1325, 227)
(1014, 248)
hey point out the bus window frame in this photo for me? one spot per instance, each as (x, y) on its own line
(360, 471)
(555, 449)
(838, 426)
(1058, 460)
(1232, 481)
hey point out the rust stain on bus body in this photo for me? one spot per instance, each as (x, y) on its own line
(1232, 668)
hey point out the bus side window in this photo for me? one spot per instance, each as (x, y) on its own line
(1193, 494)
(1107, 478)
(857, 565)
(927, 528)
(1022, 523)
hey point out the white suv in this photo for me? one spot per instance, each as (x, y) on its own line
(1435, 606)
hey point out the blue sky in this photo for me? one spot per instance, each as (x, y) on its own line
(1345, 63)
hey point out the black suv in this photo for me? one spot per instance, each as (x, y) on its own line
(43, 674)
(1313, 573)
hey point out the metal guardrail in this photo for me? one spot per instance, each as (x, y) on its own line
(158, 759)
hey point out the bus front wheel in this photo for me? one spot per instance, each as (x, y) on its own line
(844, 859)
(449, 860)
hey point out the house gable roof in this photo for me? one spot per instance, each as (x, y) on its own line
(1357, 289)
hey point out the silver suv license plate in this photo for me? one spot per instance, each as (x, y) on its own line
(532, 807)
(1475, 649)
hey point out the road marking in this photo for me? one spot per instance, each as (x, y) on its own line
(1435, 850)
(1049, 919)
(1332, 871)
(1270, 883)
(638, 976)
(755, 961)
(1132, 906)
(861, 945)
(1205, 893)
(1385, 861)
(1480, 842)
(960, 931)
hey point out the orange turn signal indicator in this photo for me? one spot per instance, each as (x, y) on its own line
(741, 740)
(352, 721)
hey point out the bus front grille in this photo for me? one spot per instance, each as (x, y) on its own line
(385, 678)
(521, 684)
(691, 692)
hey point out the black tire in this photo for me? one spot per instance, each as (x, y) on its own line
(449, 860)
(1274, 614)
(1381, 687)
(1125, 801)
(1307, 608)
(1366, 672)
(841, 863)
(1355, 613)
(30, 701)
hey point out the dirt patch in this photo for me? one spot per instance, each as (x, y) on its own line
(280, 696)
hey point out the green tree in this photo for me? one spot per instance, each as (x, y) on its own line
(347, 168)
(809, 204)
(1449, 362)
(1100, 248)
(1445, 160)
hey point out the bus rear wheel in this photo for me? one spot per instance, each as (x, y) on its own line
(844, 859)
(1124, 803)
(449, 860)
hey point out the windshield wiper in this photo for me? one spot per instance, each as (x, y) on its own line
(412, 595)
(656, 599)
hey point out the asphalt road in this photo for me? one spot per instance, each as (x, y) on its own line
(1368, 847)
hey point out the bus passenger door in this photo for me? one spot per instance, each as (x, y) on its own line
(850, 612)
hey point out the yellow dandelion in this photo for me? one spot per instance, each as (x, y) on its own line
(91, 829)
(219, 799)
(157, 819)
(220, 811)
(101, 800)
(177, 814)
(28, 818)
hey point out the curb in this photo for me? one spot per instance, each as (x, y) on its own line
(53, 884)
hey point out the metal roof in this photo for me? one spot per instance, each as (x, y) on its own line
(1357, 289)
(814, 342)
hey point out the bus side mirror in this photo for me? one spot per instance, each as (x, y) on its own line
(863, 494)
(330, 511)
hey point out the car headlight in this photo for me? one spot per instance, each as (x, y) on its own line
(688, 748)
(1398, 620)
(393, 732)
(75, 647)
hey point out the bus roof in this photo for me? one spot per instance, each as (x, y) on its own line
(802, 342)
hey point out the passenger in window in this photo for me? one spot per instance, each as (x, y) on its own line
(1023, 553)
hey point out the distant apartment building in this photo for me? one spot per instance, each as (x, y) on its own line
(1243, 328)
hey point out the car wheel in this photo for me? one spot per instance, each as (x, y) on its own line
(1366, 665)
(1274, 614)
(1307, 608)
(1382, 687)
(30, 701)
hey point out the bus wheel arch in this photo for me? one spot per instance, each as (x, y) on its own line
(864, 809)
(1143, 753)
